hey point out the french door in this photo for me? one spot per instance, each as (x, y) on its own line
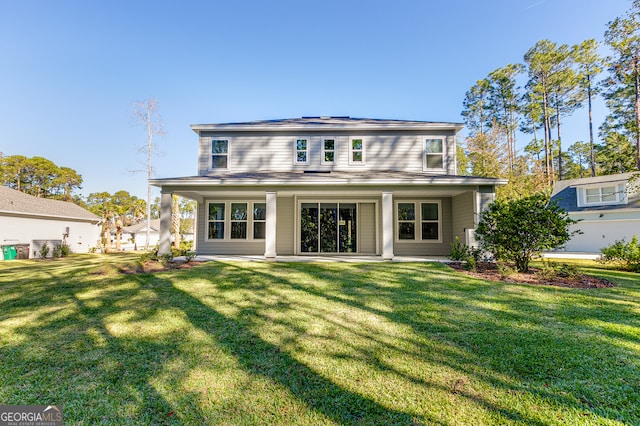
(328, 228)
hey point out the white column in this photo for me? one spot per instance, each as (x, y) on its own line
(387, 225)
(164, 246)
(270, 225)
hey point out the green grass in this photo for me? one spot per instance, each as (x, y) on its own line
(300, 343)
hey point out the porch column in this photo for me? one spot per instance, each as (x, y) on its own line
(164, 246)
(270, 227)
(387, 225)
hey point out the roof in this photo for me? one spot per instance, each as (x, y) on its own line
(134, 229)
(324, 123)
(565, 193)
(18, 203)
(372, 177)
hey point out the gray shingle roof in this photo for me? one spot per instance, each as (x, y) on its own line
(16, 202)
(329, 122)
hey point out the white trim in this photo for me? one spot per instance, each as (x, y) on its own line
(227, 221)
(417, 230)
(423, 144)
(323, 151)
(210, 154)
(296, 150)
(363, 151)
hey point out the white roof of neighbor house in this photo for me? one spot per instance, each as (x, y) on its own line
(18, 203)
(324, 123)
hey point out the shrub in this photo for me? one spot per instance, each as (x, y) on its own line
(44, 251)
(56, 251)
(462, 252)
(515, 231)
(626, 254)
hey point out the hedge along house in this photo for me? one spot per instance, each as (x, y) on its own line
(328, 186)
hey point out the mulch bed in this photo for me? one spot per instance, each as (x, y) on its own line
(489, 271)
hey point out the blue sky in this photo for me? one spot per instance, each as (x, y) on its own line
(71, 70)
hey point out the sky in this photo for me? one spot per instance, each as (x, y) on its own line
(70, 71)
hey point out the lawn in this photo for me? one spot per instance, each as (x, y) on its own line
(315, 343)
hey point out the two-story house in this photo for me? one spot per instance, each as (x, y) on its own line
(607, 208)
(327, 186)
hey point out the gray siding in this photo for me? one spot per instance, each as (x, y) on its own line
(249, 152)
(427, 249)
(234, 247)
(462, 214)
(367, 228)
(285, 226)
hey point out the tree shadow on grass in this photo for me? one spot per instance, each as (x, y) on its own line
(523, 354)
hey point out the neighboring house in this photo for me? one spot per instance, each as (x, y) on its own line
(134, 237)
(30, 222)
(608, 208)
(328, 185)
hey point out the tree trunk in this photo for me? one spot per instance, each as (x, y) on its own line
(592, 156)
(636, 71)
(118, 234)
(559, 141)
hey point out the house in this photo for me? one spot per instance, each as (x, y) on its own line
(29, 222)
(328, 185)
(134, 237)
(607, 207)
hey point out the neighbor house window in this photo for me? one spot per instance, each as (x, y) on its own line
(328, 150)
(259, 218)
(356, 151)
(609, 194)
(301, 151)
(434, 154)
(215, 221)
(239, 221)
(220, 153)
(418, 221)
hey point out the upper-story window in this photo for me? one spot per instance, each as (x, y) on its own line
(328, 150)
(601, 195)
(301, 151)
(219, 153)
(356, 150)
(434, 154)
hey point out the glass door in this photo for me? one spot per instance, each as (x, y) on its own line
(328, 228)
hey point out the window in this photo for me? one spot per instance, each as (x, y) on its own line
(239, 221)
(426, 221)
(236, 220)
(406, 221)
(216, 221)
(259, 217)
(328, 150)
(612, 194)
(356, 155)
(301, 151)
(429, 221)
(219, 153)
(434, 154)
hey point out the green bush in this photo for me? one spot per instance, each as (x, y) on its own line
(626, 254)
(44, 251)
(517, 230)
(462, 252)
